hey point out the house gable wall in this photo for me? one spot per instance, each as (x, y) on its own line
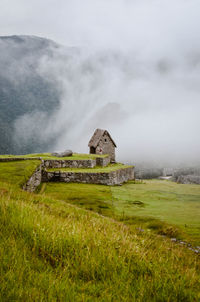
(106, 146)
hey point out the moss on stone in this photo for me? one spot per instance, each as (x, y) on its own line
(75, 156)
(96, 169)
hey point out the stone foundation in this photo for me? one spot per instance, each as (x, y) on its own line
(105, 178)
(108, 178)
(85, 163)
(34, 181)
(103, 161)
(59, 163)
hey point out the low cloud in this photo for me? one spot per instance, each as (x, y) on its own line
(151, 109)
(133, 69)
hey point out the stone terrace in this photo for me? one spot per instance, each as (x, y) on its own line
(114, 174)
(79, 168)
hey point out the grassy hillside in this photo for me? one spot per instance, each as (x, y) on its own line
(25, 91)
(165, 207)
(53, 251)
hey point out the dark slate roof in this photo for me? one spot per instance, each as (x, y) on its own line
(97, 136)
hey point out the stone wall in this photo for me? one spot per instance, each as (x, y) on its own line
(122, 175)
(59, 163)
(106, 146)
(7, 159)
(109, 178)
(189, 179)
(34, 181)
(106, 178)
(85, 163)
(103, 161)
(186, 172)
(89, 163)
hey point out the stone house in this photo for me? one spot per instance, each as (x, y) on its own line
(102, 143)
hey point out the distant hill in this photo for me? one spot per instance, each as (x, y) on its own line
(23, 89)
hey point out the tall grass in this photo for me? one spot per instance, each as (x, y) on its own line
(164, 207)
(51, 251)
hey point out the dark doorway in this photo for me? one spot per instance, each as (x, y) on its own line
(92, 150)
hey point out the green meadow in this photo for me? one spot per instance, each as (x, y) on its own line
(166, 207)
(79, 242)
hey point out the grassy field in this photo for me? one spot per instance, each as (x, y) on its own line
(51, 249)
(75, 156)
(166, 201)
(17, 172)
(166, 207)
(96, 169)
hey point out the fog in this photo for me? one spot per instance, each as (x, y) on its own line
(132, 67)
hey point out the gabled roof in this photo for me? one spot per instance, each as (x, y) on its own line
(97, 136)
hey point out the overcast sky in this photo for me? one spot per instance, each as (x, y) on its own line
(158, 25)
(160, 43)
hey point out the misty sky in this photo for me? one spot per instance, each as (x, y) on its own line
(147, 90)
(159, 26)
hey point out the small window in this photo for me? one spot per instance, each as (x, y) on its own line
(105, 140)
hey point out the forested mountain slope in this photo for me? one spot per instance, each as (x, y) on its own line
(23, 89)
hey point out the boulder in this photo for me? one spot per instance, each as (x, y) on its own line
(62, 154)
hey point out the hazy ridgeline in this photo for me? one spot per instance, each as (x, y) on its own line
(53, 97)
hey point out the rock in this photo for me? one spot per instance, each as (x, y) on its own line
(62, 154)
(139, 229)
(67, 153)
(173, 239)
(55, 153)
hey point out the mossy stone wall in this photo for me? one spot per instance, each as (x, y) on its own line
(106, 178)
